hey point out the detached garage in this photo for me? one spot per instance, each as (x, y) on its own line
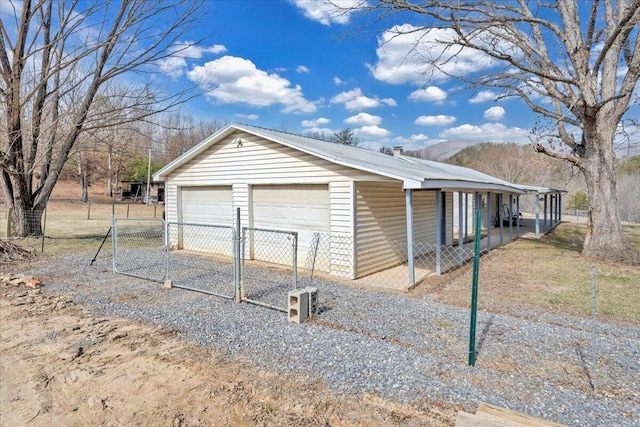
(356, 199)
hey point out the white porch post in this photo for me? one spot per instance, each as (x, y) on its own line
(460, 236)
(409, 207)
(544, 209)
(518, 217)
(438, 230)
(511, 219)
(466, 217)
(501, 218)
(489, 220)
(537, 214)
(559, 207)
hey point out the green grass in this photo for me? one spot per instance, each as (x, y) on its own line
(549, 275)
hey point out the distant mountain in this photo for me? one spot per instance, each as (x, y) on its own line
(442, 150)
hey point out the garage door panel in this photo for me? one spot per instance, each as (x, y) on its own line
(300, 208)
(206, 205)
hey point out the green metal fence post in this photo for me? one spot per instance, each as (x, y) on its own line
(474, 290)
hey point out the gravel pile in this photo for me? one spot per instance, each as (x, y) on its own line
(403, 349)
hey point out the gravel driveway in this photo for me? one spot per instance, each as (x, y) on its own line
(403, 349)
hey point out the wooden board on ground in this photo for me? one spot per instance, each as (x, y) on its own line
(489, 415)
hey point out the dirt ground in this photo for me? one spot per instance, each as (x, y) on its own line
(61, 365)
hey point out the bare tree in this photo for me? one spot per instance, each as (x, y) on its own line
(573, 63)
(58, 60)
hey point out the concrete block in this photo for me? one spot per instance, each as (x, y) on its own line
(313, 301)
(298, 306)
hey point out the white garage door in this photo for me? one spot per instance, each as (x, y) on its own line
(300, 208)
(205, 205)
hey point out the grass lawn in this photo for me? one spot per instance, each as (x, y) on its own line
(549, 275)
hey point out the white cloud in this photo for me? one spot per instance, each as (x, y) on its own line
(439, 120)
(247, 116)
(413, 138)
(494, 113)
(373, 131)
(338, 81)
(175, 64)
(315, 123)
(483, 96)
(488, 132)
(355, 100)
(232, 80)
(302, 69)
(430, 94)
(327, 12)
(405, 53)
(361, 119)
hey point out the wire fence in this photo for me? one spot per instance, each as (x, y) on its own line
(140, 248)
(202, 258)
(269, 266)
(68, 225)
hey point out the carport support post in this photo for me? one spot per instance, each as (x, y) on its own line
(488, 220)
(460, 235)
(544, 209)
(537, 215)
(511, 217)
(409, 207)
(559, 207)
(438, 230)
(501, 218)
(466, 217)
(518, 216)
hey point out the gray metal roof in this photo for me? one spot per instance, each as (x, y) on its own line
(413, 172)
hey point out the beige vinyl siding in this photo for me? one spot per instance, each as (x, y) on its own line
(424, 218)
(380, 226)
(171, 209)
(259, 161)
(466, 210)
(341, 199)
(242, 200)
(449, 218)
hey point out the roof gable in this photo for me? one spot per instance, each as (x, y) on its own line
(414, 173)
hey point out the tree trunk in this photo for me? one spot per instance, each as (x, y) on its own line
(605, 239)
(26, 222)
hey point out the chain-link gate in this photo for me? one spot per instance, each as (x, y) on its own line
(202, 258)
(139, 248)
(269, 266)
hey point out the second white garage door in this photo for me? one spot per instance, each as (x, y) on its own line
(300, 208)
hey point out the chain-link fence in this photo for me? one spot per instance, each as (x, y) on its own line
(69, 225)
(337, 256)
(202, 258)
(269, 266)
(139, 248)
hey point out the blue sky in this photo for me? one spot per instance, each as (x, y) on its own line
(296, 65)
(290, 65)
